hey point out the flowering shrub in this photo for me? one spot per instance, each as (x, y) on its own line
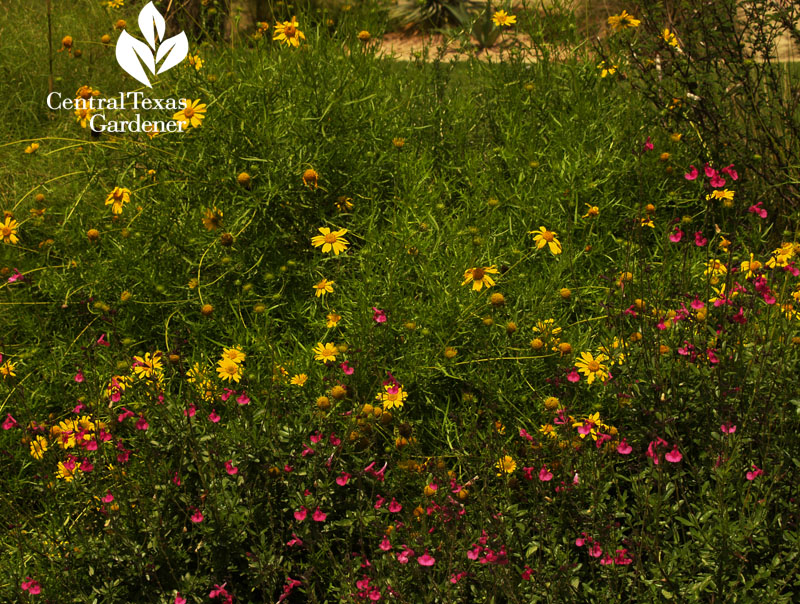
(424, 333)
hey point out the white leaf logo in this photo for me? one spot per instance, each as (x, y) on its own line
(132, 53)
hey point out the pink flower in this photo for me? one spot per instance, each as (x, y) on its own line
(141, 423)
(730, 171)
(379, 316)
(456, 577)
(176, 479)
(31, 586)
(426, 559)
(295, 540)
(17, 276)
(385, 544)
(307, 451)
(79, 377)
(709, 170)
(197, 516)
(573, 376)
(717, 181)
(243, 399)
(108, 497)
(219, 591)
(101, 341)
(673, 456)
(214, 416)
(126, 413)
(676, 235)
(404, 556)
(699, 240)
(10, 422)
(697, 304)
(345, 367)
(623, 448)
(526, 574)
(394, 506)
(621, 558)
(606, 559)
(545, 475)
(379, 502)
(191, 411)
(230, 468)
(727, 428)
(319, 515)
(581, 540)
(301, 514)
(179, 599)
(648, 146)
(524, 434)
(79, 407)
(754, 473)
(595, 551)
(342, 479)
(757, 209)
(691, 174)
(226, 395)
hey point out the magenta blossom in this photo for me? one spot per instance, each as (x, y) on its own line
(404, 556)
(730, 171)
(214, 416)
(757, 209)
(573, 376)
(9, 422)
(301, 514)
(295, 540)
(426, 559)
(379, 316)
(673, 456)
(545, 475)
(754, 473)
(31, 586)
(676, 235)
(197, 516)
(345, 367)
(342, 479)
(691, 174)
(699, 240)
(230, 468)
(623, 448)
(319, 515)
(727, 428)
(648, 146)
(179, 599)
(385, 545)
(243, 399)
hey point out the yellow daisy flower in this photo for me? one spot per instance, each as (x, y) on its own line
(331, 241)
(543, 237)
(287, 33)
(325, 352)
(323, 287)
(8, 230)
(479, 277)
(229, 370)
(506, 465)
(117, 199)
(502, 19)
(192, 114)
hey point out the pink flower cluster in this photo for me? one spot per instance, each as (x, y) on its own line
(673, 456)
(620, 558)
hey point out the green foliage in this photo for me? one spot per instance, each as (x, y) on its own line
(442, 174)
